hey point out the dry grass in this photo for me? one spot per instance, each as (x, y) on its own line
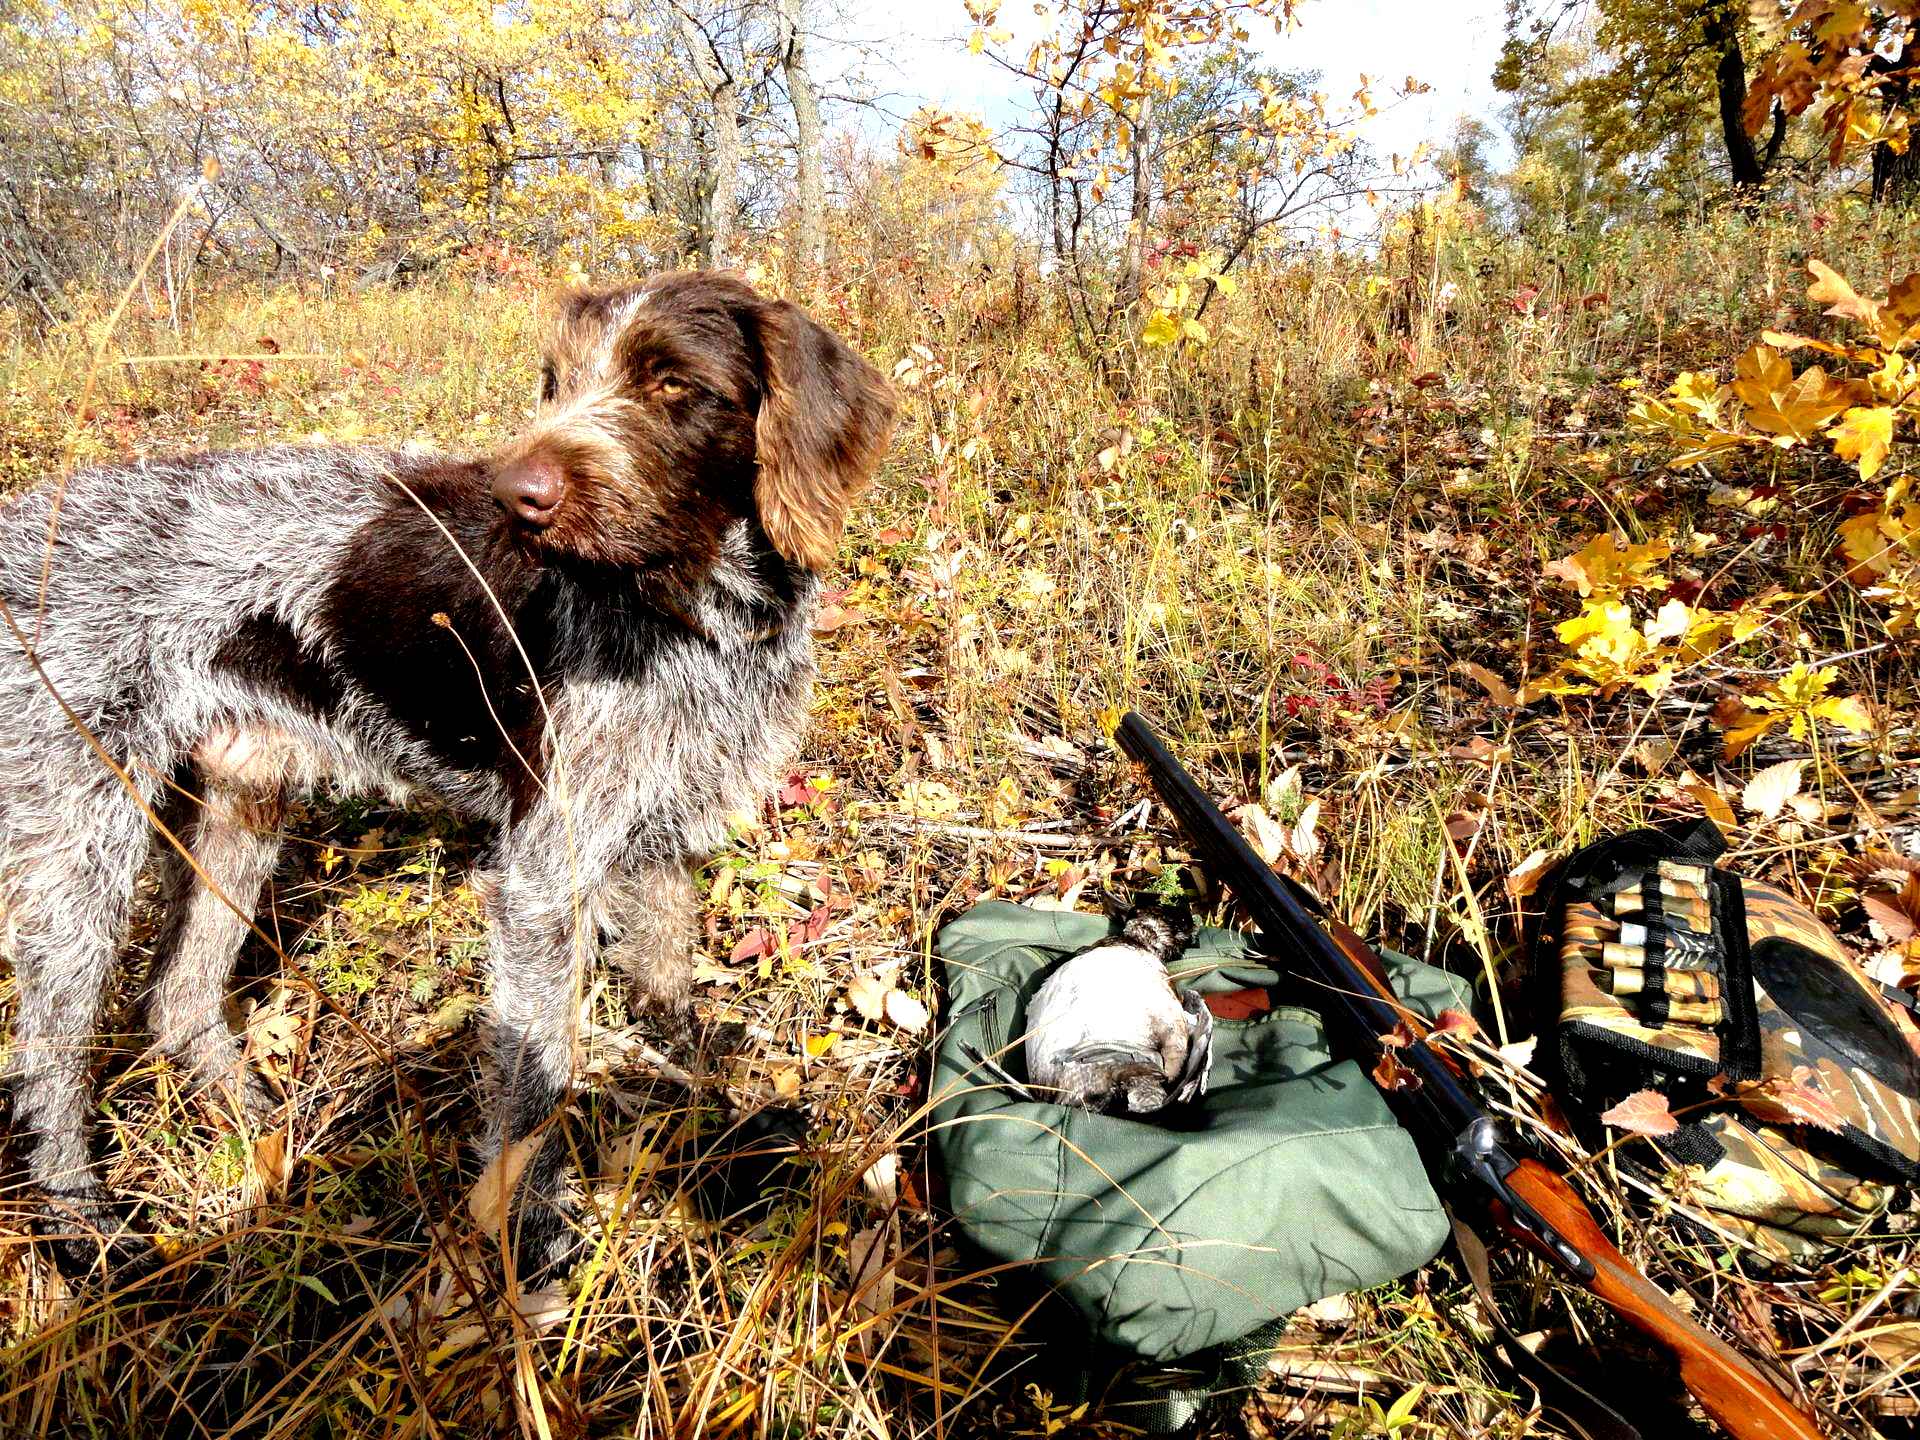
(1290, 543)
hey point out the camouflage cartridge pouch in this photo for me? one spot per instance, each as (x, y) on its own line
(1794, 1076)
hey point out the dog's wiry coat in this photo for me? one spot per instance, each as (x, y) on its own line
(232, 628)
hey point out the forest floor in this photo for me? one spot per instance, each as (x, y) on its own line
(1314, 553)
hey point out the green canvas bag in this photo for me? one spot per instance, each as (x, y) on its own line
(1290, 1182)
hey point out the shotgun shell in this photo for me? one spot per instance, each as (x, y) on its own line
(1696, 1012)
(1693, 914)
(1693, 985)
(1691, 875)
(1623, 957)
(1680, 985)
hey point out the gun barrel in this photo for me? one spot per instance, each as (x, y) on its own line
(1459, 1138)
(1435, 1106)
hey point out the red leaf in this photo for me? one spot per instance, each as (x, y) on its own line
(1390, 1074)
(799, 790)
(1240, 1004)
(831, 617)
(1885, 912)
(755, 943)
(1456, 1022)
(1796, 1101)
(1644, 1112)
(816, 922)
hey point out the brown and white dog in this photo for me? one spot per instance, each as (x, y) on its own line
(596, 640)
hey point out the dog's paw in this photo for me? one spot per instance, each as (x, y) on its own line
(674, 1026)
(721, 1040)
(546, 1243)
(93, 1242)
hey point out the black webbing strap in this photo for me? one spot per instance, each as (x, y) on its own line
(1740, 1032)
(1653, 915)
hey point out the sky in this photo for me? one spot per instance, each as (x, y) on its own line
(919, 55)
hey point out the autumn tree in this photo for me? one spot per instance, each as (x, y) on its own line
(1115, 153)
(1675, 72)
(1858, 64)
(810, 233)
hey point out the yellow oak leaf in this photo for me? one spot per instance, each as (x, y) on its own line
(1864, 436)
(1760, 374)
(1849, 713)
(1794, 413)
(1602, 568)
(1603, 630)
(1160, 329)
(1842, 302)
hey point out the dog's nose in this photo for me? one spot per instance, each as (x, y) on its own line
(531, 490)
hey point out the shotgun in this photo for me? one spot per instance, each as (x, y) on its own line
(1463, 1145)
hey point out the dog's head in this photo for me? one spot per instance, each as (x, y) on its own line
(671, 408)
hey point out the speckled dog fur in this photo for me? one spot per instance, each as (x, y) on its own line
(233, 628)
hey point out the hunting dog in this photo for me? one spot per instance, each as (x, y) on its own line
(596, 640)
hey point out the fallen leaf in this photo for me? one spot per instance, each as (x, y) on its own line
(1770, 789)
(751, 946)
(832, 617)
(1716, 806)
(1498, 690)
(545, 1309)
(1893, 923)
(868, 994)
(909, 1014)
(869, 1271)
(786, 1083)
(1302, 841)
(929, 799)
(881, 1180)
(279, 1034)
(1520, 1052)
(1525, 877)
(1269, 836)
(1799, 1100)
(492, 1193)
(1645, 1112)
(271, 1164)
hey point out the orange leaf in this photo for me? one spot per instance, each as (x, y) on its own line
(1897, 925)
(1796, 1101)
(1644, 1112)
(1498, 690)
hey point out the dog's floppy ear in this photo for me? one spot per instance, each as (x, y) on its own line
(825, 419)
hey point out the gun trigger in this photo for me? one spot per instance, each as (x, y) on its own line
(1477, 1152)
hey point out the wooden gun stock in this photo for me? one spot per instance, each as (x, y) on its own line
(1462, 1142)
(1745, 1403)
(1726, 1384)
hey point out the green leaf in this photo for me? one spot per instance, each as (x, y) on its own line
(1402, 1410)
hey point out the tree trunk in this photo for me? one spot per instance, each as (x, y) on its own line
(1896, 177)
(811, 235)
(1133, 271)
(723, 177)
(1743, 161)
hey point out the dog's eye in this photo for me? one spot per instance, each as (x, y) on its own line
(549, 383)
(668, 389)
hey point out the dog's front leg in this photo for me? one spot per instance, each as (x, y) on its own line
(645, 915)
(534, 959)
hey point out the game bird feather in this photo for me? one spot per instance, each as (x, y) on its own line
(1107, 1031)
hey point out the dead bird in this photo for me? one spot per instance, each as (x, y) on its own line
(1106, 1031)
